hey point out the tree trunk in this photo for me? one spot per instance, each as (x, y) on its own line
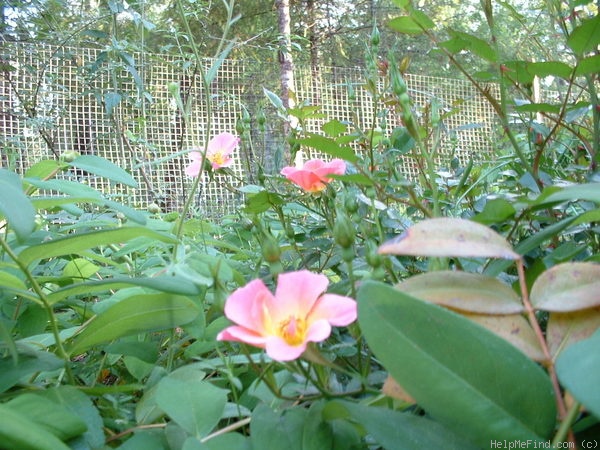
(287, 65)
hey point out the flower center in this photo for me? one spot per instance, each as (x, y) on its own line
(217, 158)
(293, 330)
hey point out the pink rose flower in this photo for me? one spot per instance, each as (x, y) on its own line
(313, 176)
(283, 324)
(218, 152)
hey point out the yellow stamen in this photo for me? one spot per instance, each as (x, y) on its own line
(293, 330)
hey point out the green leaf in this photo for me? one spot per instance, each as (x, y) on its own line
(53, 417)
(17, 431)
(272, 431)
(111, 101)
(578, 369)
(195, 405)
(8, 280)
(588, 65)
(415, 24)
(448, 364)
(586, 37)
(77, 243)
(530, 243)
(547, 68)
(104, 168)
(495, 211)
(538, 107)
(588, 191)
(465, 41)
(404, 430)
(334, 128)
(450, 237)
(464, 291)
(76, 402)
(27, 364)
(133, 315)
(567, 287)
(170, 284)
(15, 205)
(274, 99)
(44, 169)
(328, 146)
(227, 441)
(80, 269)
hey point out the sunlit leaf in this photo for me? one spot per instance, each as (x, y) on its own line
(135, 314)
(464, 291)
(471, 43)
(585, 37)
(547, 68)
(80, 269)
(450, 237)
(328, 146)
(588, 65)
(564, 329)
(578, 369)
(567, 287)
(416, 23)
(448, 364)
(103, 168)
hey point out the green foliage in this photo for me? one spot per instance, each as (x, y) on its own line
(476, 281)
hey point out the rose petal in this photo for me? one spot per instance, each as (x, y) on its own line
(338, 310)
(279, 350)
(224, 143)
(318, 331)
(308, 181)
(334, 167)
(296, 294)
(241, 334)
(313, 165)
(246, 306)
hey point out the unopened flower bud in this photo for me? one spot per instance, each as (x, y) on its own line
(343, 231)
(375, 37)
(270, 249)
(351, 204)
(70, 156)
(153, 208)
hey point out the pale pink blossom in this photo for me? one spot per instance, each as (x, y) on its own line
(314, 175)
(283, 324)
(218, 152)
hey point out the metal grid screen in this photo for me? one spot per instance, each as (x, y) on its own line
(55, 99)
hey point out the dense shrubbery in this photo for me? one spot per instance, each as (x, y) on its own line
(452, 311)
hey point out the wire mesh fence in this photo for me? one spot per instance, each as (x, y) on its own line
(121, 106)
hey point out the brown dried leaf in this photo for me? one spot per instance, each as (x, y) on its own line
(464, 291)
(513, 328)
(567, 287)
(565, 329)
(450, 237)
(391, 388)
